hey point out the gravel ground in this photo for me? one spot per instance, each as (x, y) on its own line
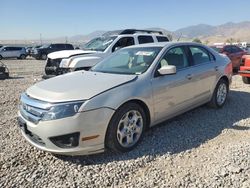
(201, 148)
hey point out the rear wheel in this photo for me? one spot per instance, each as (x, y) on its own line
(22, 56)
(126, 128)
(246, 80)
(220, 94)
(44, 56)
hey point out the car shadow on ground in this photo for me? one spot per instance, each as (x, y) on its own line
(182, 133)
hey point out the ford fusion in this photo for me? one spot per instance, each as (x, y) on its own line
(111, 105)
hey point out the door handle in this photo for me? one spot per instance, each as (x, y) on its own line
(216, 68)
(189, 76)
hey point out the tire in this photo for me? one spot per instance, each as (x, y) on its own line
(1, 57)
(22, 56)
(246, 80)
(44, 56)
(220, 94)
(121, 135)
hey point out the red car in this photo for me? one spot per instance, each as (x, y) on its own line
(234, 53)
(245, 69)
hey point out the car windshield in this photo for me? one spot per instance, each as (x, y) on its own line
(99, 43)
(128, 61)
(217, 49)
(44, 46)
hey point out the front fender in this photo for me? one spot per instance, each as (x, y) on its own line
(116, 97)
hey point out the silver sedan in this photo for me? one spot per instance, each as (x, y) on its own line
(111, 105)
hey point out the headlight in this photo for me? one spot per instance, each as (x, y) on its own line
(62, 111)
(64, 63)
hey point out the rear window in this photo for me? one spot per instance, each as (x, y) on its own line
(145, 39)
(200, 55)
(162, 39)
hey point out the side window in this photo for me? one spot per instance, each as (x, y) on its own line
(123, 42)
(7, 49)
(145, 39)
(69, 46)
(53, 46)
(12, 48)
(162, 39)
(175, 56)
(60, 46)
(199, 55)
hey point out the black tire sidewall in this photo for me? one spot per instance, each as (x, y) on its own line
(43, 55)
(22, 56)
(246, 80)
(111, 135)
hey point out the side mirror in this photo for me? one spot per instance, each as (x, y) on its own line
(167, 70)
(117, 48)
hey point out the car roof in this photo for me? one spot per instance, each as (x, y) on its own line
(164, 44)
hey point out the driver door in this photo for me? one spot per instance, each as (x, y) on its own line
(172, 94)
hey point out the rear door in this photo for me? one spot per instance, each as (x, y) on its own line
(204, 72)
(16, 51)
(173, 93)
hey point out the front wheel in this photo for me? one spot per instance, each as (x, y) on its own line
(126, 128)
(246, 80)
(220, 94)
(44, 56)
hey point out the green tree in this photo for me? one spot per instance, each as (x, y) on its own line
(197, 40)
(207, 42)
(230, 40)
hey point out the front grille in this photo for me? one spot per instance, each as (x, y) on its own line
(32, 109)
(52, 66)
(53, 62)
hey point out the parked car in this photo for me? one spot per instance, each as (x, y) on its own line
(12, 52)
(111, 105)
(245, 69)
(28, 50)
(4, 71)
(233, 52)
(43, 51)
(98, 48)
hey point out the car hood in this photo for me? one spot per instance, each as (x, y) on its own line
(80, 85)
(68, 53)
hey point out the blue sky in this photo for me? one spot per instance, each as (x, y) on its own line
(26, 19)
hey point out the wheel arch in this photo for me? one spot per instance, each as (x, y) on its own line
(145, 108)
(224, 77)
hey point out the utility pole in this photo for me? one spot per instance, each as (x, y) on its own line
(66, 39)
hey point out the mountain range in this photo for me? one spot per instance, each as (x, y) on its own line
(206, 33)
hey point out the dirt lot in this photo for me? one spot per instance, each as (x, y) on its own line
(201, 148)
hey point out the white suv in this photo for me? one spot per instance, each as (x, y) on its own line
(97, 49)
(13, 52)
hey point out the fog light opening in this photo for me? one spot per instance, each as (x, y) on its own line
(66, 141)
